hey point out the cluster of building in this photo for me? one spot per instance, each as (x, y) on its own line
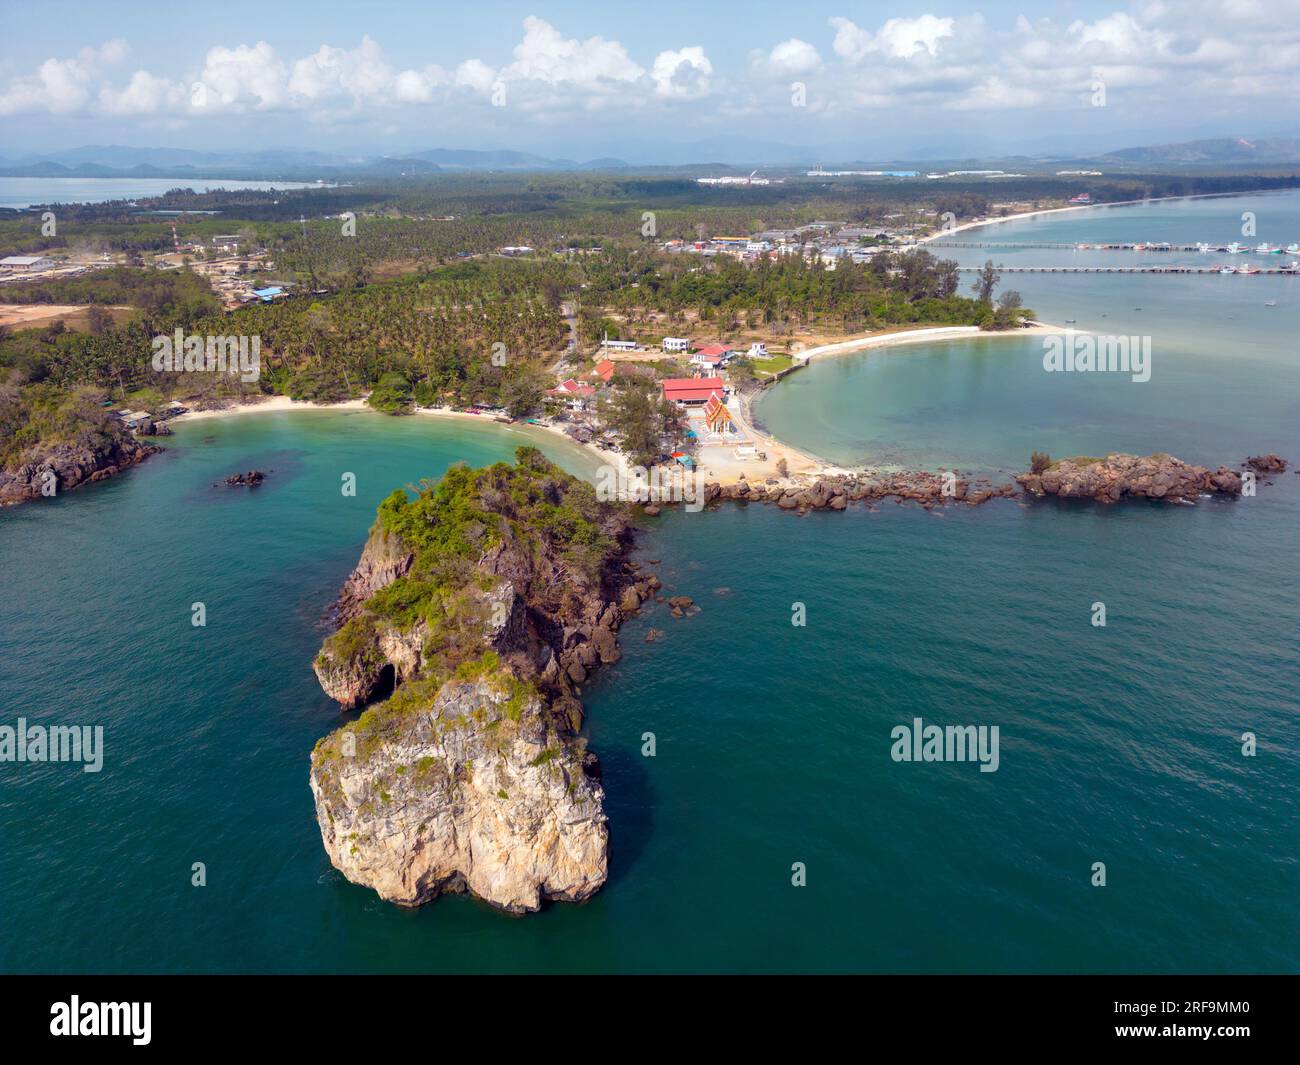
(819, 172)
(703, 398)
(234, 276)
(16, 269)
(751, 179)
(973, 173)
(825, 241)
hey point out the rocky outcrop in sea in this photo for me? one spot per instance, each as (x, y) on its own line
(836, 493)
(473, 617)
(1119, 476)
(1107, 480)
(69, 465)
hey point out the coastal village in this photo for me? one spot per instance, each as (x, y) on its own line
(703, 387)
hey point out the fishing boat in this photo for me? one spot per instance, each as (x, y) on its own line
(1270, 303)
(1235, 249)
(1293, 249)
(1267, 249)
(1248, 269)
(1227, 269)
(1202, 248)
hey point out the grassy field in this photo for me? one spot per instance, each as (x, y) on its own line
(773, 364)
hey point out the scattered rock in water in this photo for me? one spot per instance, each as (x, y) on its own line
(653, 635)
(251, 479)
(1267, 463)
(724, 591)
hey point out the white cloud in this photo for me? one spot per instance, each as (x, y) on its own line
(236, 78)
(899, 38)
(1156, 57)
(545, 55)
(361, 75)
(683, 74)
(792, 57)
(144, 95)
(60, 86)
(995, 94)
(475, 74)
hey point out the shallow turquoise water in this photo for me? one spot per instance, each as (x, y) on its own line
(1118, 744)
(1225, 366)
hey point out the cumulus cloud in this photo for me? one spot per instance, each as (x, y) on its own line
(683, 74)
(475, 74)
(144, 94)
(899, 38)
(1157, 53)
(361, 75)
(791, 57)
(242, 77)
(61, 86)
(548, 56)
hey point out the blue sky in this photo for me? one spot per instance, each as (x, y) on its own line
(644, 81)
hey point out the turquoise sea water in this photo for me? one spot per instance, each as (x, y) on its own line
(1118, 745)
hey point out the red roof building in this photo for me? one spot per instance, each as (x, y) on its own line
(691, 391)
(604, 370)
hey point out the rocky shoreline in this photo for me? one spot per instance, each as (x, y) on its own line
(1105, 480)
(473, 619)
(63, 467)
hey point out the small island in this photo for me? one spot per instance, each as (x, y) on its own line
(476, 611)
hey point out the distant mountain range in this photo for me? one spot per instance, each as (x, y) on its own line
(1208, 152)
(719, 153)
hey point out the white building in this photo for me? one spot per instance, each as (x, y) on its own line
(25, 263)
(758, 350)
(677, 344)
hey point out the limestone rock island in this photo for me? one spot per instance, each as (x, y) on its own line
(475, 611)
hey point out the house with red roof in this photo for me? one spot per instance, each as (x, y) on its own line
(604, 370)
(712, 356)
(574, 395)
(692, 391)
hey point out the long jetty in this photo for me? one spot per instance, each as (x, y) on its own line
(1276, 271)
(1087, 246)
